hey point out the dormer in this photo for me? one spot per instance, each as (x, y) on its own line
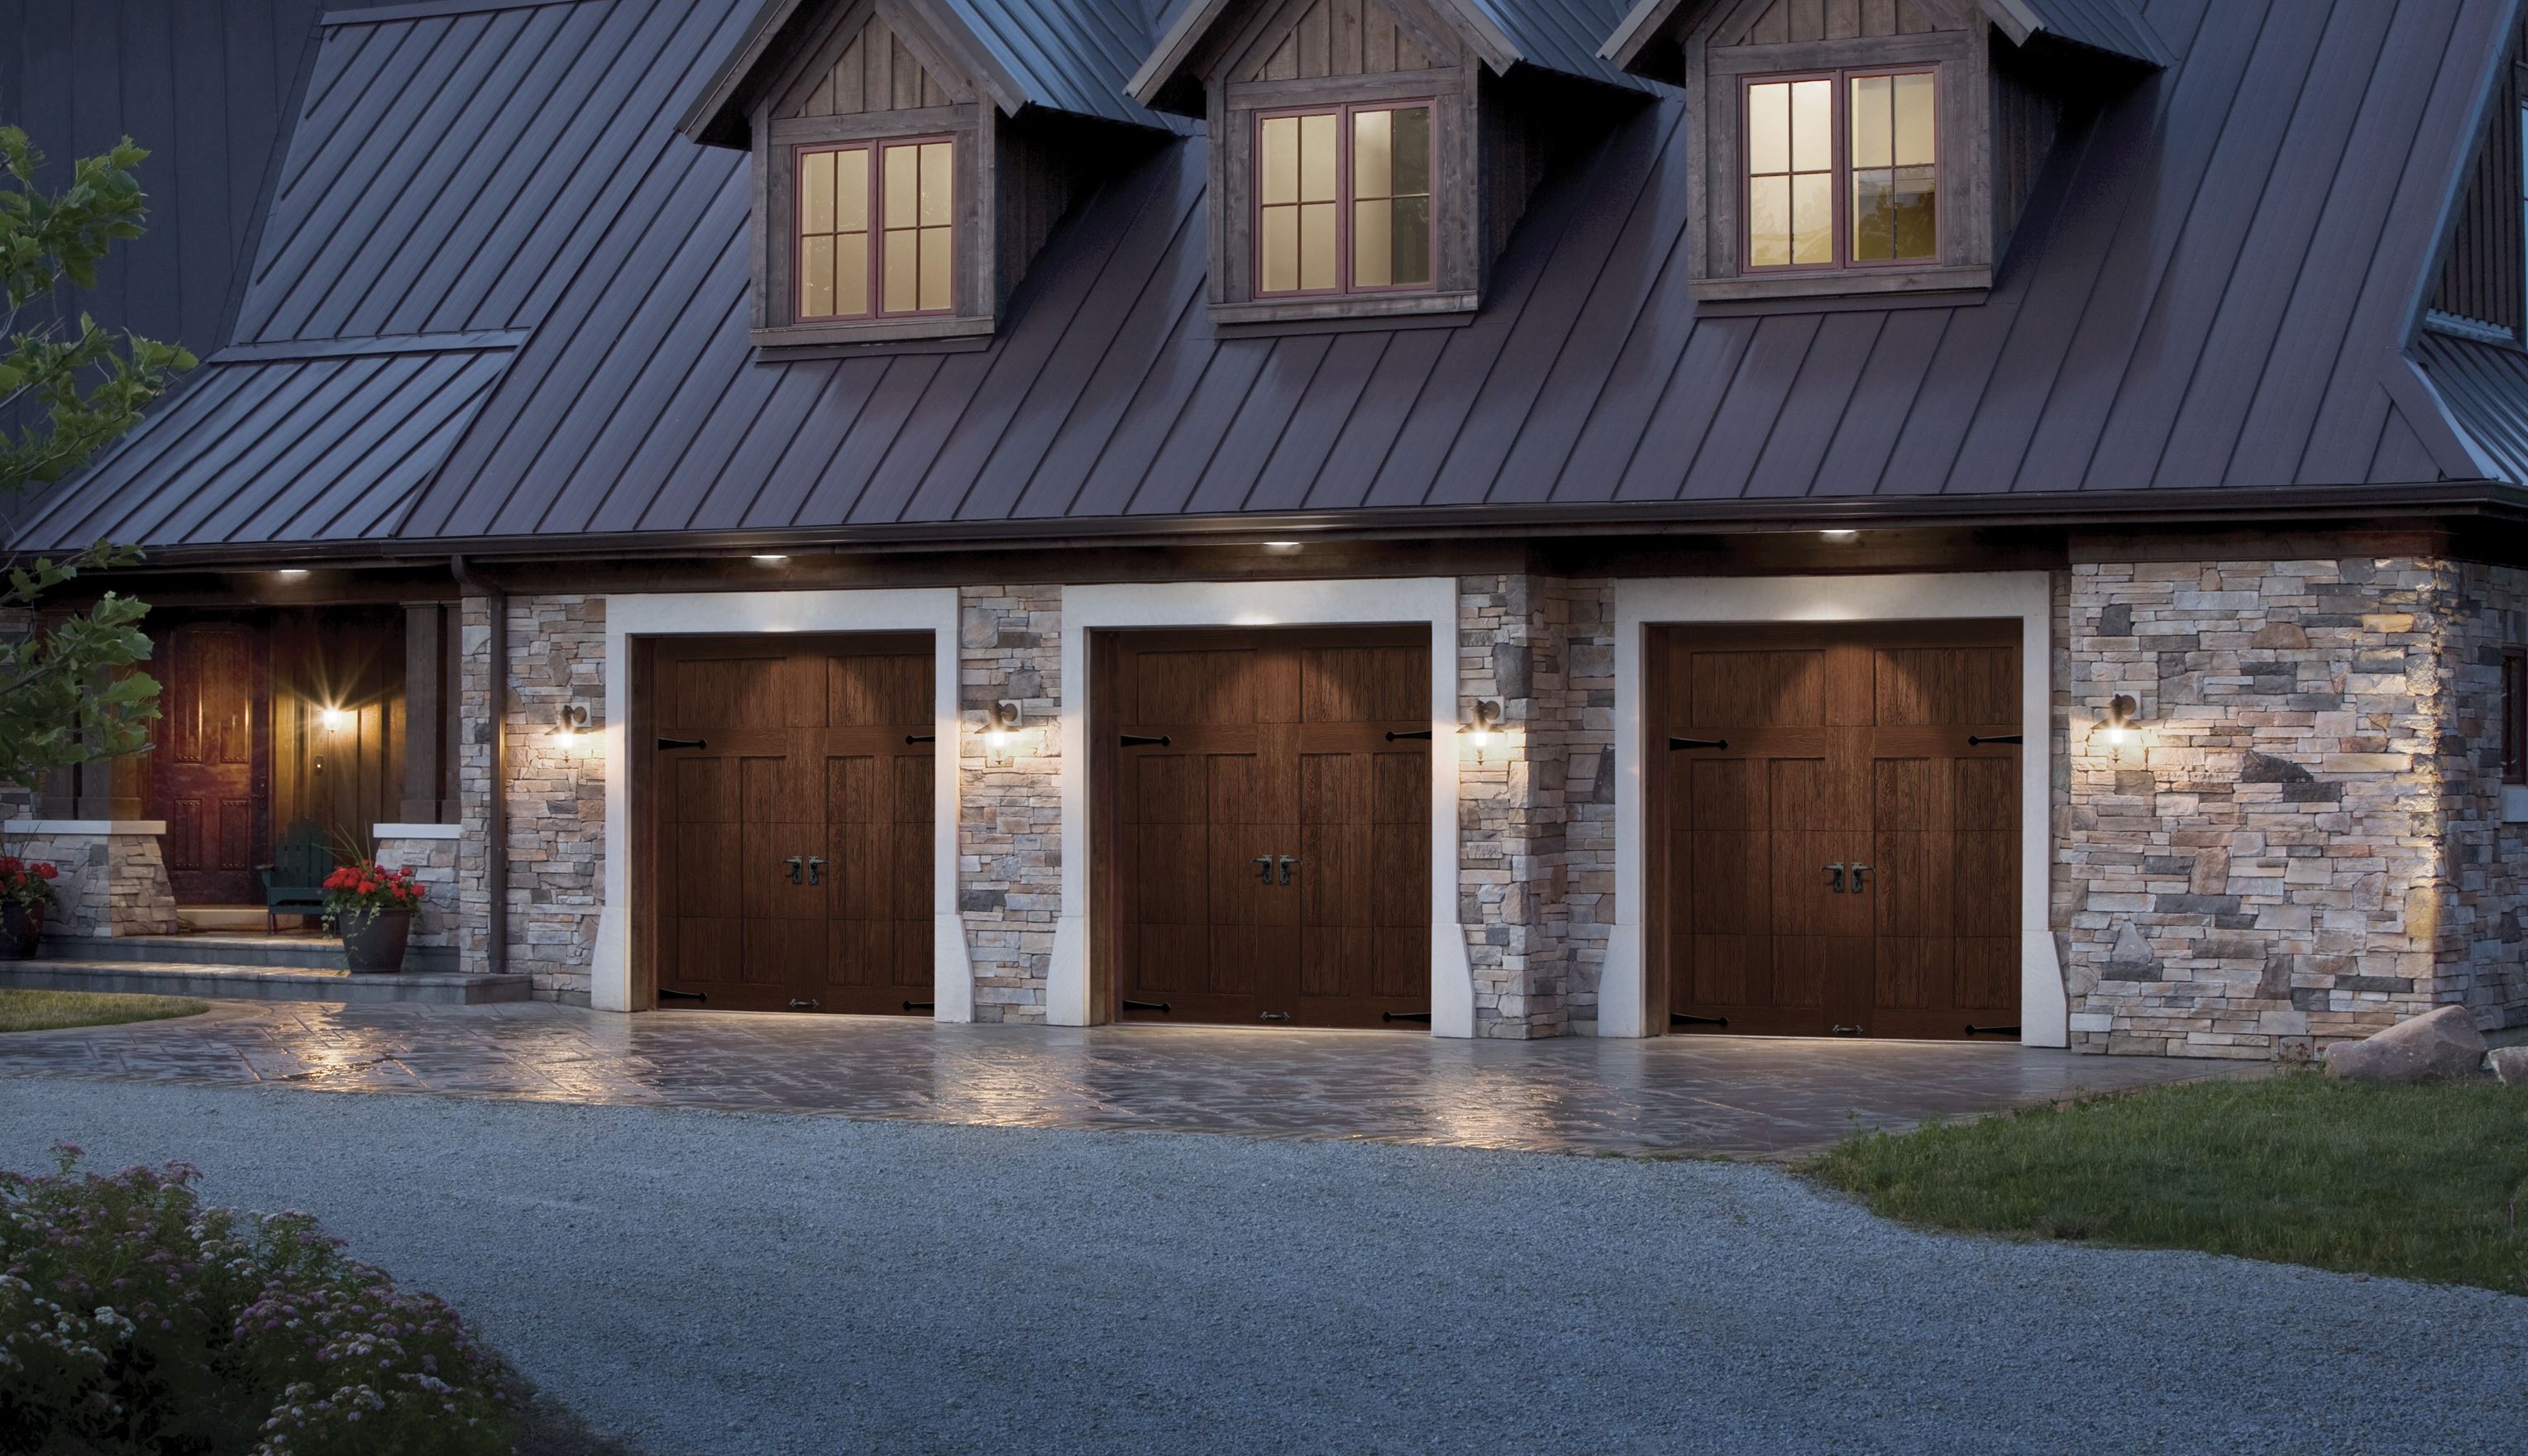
(1878, 150)
(1370, 158)
(910, 158)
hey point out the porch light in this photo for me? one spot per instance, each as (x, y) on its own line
(292, 573)
(1282, 548)
(1840, 536)
(1481, 734)
(570, 720)
(1001, 732)
(771, 560)
(2120, 728)
(335, 719)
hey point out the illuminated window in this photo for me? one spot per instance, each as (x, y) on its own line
(1864, 189)
(877, 230)
(1338, 218)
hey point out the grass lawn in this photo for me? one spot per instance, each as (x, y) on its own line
(2424, 1182)
(50, 1011)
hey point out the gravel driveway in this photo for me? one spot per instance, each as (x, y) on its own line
(704, 1282)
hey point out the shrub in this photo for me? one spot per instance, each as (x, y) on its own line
(134, 1320)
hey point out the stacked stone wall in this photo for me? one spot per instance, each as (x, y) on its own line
(110, 884)
(2484, 939)
(1009, 833)
(433, 862)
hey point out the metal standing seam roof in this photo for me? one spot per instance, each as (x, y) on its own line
(2484, 387)
(2209, 288)
(2115, 27)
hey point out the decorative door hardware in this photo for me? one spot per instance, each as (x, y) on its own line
(1422, 734)
(1974, 742)
(1675, 743)
(669, 993)
(912, 738)
(793, 862)
(1131, 1005)
(684, 743)
(797, 1004)
(1289, 863)
(1275, 1016)
(1680, 1018)
(1404, 1016)
(1992, 1030)
(1264, 871)
(816, 870)
(921, 1006)
(1860, 872)
(1842, 1030)
(1834, 878)
(1137, 740)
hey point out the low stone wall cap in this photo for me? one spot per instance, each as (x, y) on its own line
(86, 827)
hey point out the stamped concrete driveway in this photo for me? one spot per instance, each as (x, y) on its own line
(1730, 1095)
(702, 1283)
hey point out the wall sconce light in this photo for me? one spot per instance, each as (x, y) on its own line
(771, 560)
(291, 573)
(335, 719)
(571, 720)
(1001, 732)
(1282, 548)
(1840, 536)
(2120, 729)
(1481, 734)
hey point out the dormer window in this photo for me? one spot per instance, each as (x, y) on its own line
(877, 234)
(1343, 201)
(1854, 191)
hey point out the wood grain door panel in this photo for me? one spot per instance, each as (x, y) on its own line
(814, 749)
(208, 772)
(1848, 764)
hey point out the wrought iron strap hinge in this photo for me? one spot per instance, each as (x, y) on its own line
(1675, 743)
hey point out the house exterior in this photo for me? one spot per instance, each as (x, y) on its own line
(1920, 519)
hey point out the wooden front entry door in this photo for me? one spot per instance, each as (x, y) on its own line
(792, 787)
(1269, 856)
(207, 777)
(1834, 845)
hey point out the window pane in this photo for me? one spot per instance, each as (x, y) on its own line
(1317, 245)
(1813, 217)
(1874, 134)
(852, 275)
(938, 276)
(1874, 217)
(1812, 126)
(816, 278)
(903, 292)
(1768, 128)
(816, 192)
(1281, 160)
(851, 212)
(938, 197)
(1769, 221)
(1372, 153)
(1373, 243)
(1916, 212)
(1281, 248)
(1914, 121)
(1413, 150)
(903, 183)
(1412, 225)
(1317, 158)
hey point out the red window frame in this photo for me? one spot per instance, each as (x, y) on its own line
(1343, 201)
(876, 148)
(1839, 168)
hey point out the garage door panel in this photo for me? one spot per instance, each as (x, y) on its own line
(1168, 788)
(1401, 970)
(1911, 973)
(1334, 958)
(1399, 875)
(1364, 684)
(1171, 883)
(1911, 794)
(1987, 973)
(1194, 688)
(1169, 958)
(1756, 689)
(876, 691)
(1245, 957)
(1400, 788)
(703, 791)
(1726, 971)
(1812, 972)
(707, 948)
(1726, 883)
(1911, 889)
(1947, 685)
(1804, 900)
(1252, 789)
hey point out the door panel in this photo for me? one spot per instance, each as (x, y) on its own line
(1272, 855)
(207, 770)
(815, 749)
(1848, 860)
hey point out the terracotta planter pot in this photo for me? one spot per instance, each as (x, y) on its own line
(373, 940)
(20, 927)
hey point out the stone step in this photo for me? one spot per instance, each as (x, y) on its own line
(221, 917)
(301, 952)
(262, 983)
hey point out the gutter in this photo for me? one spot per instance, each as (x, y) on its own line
(495, 814)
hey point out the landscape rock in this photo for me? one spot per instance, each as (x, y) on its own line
(2511, 1064)
(2432, 1047)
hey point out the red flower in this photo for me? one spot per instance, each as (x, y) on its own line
(368, 887)
(46, 871)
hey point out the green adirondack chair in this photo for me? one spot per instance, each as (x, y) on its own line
(293, 883)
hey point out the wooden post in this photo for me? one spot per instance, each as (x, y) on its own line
(425, 751)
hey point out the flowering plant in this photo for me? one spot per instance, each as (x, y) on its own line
(368, 888)
(30, 885)
(134, 1320)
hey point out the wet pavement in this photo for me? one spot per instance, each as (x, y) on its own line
(1678, 1095)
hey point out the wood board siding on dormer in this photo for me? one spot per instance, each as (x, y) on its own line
(1788, 20)
(1341, 38)
(875, 73)
(2482, 275)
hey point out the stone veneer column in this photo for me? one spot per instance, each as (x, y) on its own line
(430, 851)
(1009, 839)
(114, 874)
(2266, 869)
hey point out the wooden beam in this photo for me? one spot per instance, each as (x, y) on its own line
(422, 745)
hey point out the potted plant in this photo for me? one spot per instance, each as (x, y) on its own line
(372, 908)
(25, 890)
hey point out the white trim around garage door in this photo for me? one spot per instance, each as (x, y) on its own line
(1263, 604)
(1624, 998)
(742, 613)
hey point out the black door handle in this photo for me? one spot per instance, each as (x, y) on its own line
(1675, 743)
(1265, 873)
(816, 870)
(1289, 863)
(793, 862)
(684, 743)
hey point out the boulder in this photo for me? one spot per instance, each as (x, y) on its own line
(2436, 1045)
(2511, 1064)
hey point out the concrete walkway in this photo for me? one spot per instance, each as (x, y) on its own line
(1695, 1095)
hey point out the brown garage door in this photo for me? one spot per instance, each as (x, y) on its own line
(1268, 858)
(1835, 827)
(793, 795)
